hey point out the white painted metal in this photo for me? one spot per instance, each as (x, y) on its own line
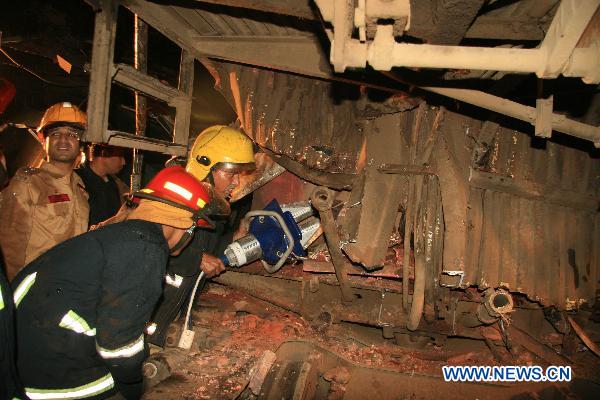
(554, 56)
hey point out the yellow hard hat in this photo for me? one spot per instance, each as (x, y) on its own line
(220, 147)
(63, 114)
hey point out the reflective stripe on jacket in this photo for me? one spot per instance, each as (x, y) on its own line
(91, 389)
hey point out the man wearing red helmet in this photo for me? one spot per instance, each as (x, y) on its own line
(82, 306)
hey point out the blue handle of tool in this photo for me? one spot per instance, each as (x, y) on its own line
(224, 259)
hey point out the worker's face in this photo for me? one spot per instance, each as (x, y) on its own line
(113, 165)
(225, 182)
(62, 144)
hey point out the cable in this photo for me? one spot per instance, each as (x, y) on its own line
(191, 302)
(36, 75)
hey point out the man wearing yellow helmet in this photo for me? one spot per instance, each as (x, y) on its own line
(219, 156)
(44, 206)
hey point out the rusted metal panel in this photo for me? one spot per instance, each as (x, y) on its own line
(509, 235)
(293, 115)
(539, 249)
(381, 193)
(538, 220)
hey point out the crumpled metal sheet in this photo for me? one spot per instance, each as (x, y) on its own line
(293, 115)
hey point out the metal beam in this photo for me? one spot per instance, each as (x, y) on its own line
(301, 55)
(486, 27)
(181, 131)
(534, 191)
(569, 23)
(103, 49)
(519, 111)
(124, 139)
(297, 54)
(136, 80)
(140, 50)
(295, 8)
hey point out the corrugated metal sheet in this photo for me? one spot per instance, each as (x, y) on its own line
(548, 251)
(294, 116)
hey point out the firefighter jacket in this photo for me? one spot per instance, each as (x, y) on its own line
(105, 196)
(181, 276)
(81, 311)
(10, 387)
(39, 209)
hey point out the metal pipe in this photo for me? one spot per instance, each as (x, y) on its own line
(519, 111)
(384, 53)
(423, 251)
(322, 200)
(299, 210)
(496, 303)
(140, 44)
(407, 232)
(160, 366)
(311, 230)
(418, 297)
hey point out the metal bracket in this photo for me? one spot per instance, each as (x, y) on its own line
(543, 117)
(460, 274)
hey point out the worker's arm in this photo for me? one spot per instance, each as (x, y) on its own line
(16, 215)
(131, 286)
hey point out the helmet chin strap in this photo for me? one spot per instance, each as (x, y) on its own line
(185, 239)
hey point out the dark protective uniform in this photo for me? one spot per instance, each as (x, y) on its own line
(10, 387)
(105, 197)
(182, 273)
(81, 311)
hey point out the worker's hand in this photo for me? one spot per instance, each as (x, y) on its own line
(211, 265)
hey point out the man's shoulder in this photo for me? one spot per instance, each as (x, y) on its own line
(24, 174)
(131, 238)
(84, 172)
(138, 228)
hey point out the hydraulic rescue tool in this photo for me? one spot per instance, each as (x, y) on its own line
(276, 234)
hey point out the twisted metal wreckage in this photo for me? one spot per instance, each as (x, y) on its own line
(466, 219)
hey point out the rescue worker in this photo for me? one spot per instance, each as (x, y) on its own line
(44, 206)
(104, 188)
(10, 387)
(218, 156)
(82, 306)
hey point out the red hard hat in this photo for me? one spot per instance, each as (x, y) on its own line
(178, 188)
